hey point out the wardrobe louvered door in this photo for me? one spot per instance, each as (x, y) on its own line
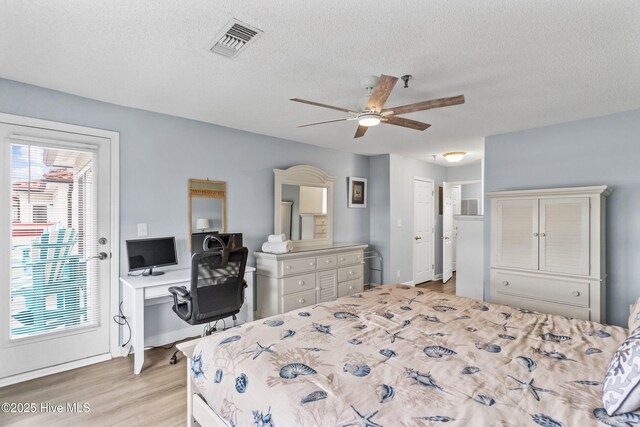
(516, 234)
(326, 286)
(564, 235)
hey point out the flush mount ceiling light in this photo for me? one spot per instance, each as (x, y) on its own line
(369, 119)
(454, 156)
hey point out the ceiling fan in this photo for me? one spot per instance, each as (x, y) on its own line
(374, 112)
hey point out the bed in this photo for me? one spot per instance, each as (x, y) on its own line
(402, 356)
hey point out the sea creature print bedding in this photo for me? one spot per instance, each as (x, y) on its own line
(401, 356)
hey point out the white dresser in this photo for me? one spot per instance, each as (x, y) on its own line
(548, 250)
(290, 281)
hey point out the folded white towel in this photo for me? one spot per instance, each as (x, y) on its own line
(277, 238)
(278, 247)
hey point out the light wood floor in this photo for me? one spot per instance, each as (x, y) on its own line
(438, 286)
(116, 396)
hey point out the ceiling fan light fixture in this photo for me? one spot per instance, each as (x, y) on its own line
(454, 156)
(369, 119)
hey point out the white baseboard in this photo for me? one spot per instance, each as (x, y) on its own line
(53, 370)
(409, 283)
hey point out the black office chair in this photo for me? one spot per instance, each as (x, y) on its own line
(217, 287)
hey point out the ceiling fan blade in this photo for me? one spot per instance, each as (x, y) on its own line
(381, 92)
(427, 105)
(317, 104)
(401, 121)
(321, 123)
(361, 131)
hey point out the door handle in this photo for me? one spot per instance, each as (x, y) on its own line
(101, 256)
(418, 238)
(445, 238)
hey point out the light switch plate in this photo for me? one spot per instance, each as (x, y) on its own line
(142, 230)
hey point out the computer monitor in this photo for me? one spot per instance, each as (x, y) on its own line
(146, 254)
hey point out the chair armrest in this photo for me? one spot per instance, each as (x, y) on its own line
(180, 291)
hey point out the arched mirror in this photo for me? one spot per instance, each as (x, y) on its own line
(304, 205)
(207, 206)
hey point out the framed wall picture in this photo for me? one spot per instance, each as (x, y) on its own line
(357, 192)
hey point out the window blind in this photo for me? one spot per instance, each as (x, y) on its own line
(54, 281)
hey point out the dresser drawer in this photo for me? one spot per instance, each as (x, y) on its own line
(297, 266)
(349, 258)
(350, 288)
(298, 300)
(301, 283)
(349, 273)
(329, 261)
(556, 290)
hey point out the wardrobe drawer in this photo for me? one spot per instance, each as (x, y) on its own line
(298, 300)
(329, 261)
(297, 266)
(541, 288)
(349, 258)
(350, 288)
(295, 284)
(543, 306)
(349, 273)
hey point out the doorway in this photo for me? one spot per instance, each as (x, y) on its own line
(423, 230)
(57, 269)
(458, 198)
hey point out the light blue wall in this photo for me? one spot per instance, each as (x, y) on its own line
(159, 153)
(379, 199)
(471, 191)
(402, 172)
(602, 150)
(471, 172)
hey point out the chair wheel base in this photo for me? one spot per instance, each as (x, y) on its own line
(174, 359)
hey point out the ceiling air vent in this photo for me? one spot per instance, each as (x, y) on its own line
(234, 38)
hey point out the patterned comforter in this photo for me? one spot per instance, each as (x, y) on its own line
(401, 356)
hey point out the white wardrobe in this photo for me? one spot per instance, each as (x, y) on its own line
(548, 250)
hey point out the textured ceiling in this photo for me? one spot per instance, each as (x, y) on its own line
(519, 64)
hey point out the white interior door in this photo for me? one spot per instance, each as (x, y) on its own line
(423, 230)
(447, 232)
(456, 209)
(55, 269)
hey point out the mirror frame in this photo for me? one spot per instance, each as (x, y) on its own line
(209, 194)
(310, 176)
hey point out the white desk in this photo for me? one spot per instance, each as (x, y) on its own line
(139, 291)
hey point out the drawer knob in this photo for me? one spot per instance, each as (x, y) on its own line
(311, 263)
(535, 234)
(351, 273)
(288, 267)
(301, 300)
(328, 261)
(505, 283)
(350, 288)
(575, 293)
(342, 258)
(301, 282)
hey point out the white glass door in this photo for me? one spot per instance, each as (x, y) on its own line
(55, 275)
